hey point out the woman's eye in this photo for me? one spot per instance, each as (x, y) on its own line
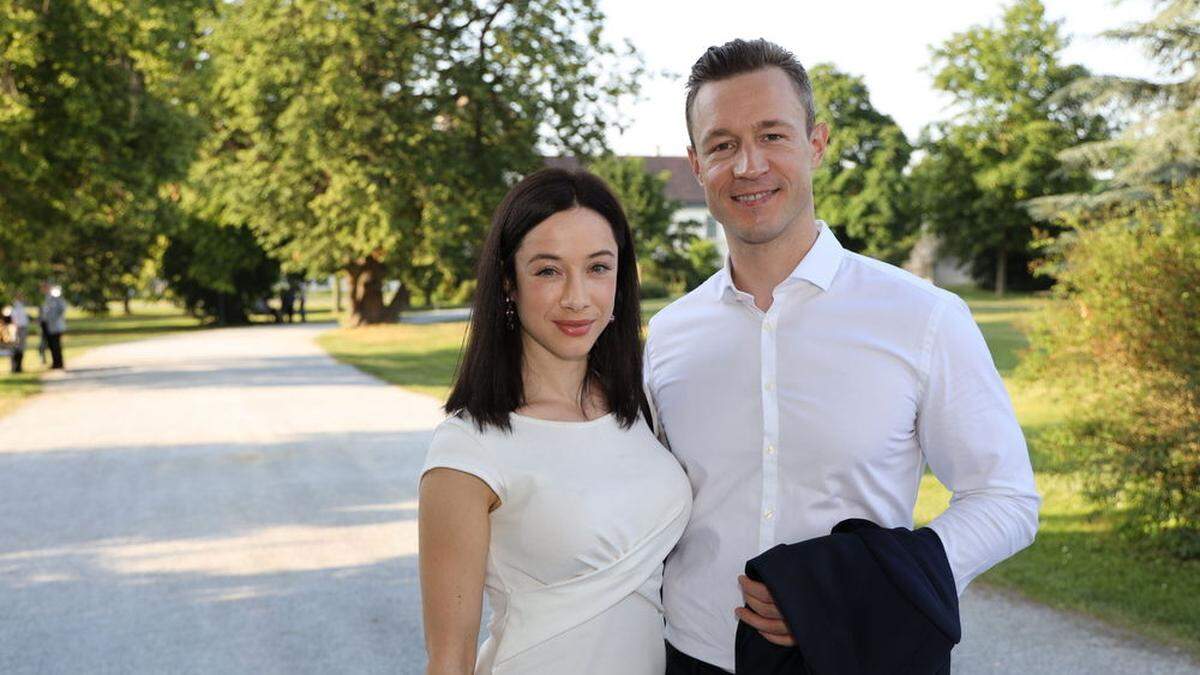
(600, 268)
(545, 272)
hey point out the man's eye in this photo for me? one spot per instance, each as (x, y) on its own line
(773, 137)
(721, 147)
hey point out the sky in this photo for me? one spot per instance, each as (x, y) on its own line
(886, 42)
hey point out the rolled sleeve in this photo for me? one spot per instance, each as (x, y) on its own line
(969, 435)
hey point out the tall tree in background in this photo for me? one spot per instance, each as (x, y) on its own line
(861, 189)
(1159, 144)
(91, 125)
(375, 138)
(1002, 148)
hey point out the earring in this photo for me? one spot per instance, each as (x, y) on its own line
(612, 318)
(510, 314)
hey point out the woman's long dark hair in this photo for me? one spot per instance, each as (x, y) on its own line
(488, 384)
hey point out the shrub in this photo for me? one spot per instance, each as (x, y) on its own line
(1123, 338)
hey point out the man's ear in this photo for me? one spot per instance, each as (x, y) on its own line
(694, 160)
(819, 139)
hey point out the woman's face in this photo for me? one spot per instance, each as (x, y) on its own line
(566, 283)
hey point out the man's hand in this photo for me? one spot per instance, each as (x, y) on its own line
(762, 614)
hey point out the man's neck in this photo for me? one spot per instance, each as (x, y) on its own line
(758, 268)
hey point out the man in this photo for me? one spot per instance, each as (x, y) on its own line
(802, 384)
(53, 318)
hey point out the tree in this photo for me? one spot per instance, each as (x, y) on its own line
(669, 252)
(1159, 144)
(1002, 149)
(218, 272)
(374, 138)
(90, 129)
(860, 188)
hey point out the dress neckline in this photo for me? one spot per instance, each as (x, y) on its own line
(561, 423)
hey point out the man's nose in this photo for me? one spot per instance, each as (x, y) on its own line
(750, 162)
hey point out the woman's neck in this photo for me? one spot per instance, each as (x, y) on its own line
(557, 388)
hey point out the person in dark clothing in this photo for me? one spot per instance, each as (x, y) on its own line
(287, 303)
(53, 318)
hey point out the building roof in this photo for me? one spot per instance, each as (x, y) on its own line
(681, 186)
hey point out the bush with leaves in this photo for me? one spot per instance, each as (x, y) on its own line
(1123, 340)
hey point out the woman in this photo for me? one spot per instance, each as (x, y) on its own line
(546, 486)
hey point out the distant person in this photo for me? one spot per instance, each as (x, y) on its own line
(301, 297)
(19, 330)
(287, 302)
(53, 317)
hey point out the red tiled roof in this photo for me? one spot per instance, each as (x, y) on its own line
(681, 185)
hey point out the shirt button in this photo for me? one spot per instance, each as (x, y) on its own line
(769, 386)
(767, 326)
(768, 515)
(770, 449)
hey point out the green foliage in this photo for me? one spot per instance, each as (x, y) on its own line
(376, 138)
(670, 255)
(91, 126)
(1002, 149)
(1160, 142)
(1123, 339)
(860, 188)
(218, 272)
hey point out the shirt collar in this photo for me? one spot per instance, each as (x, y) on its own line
(818, 266)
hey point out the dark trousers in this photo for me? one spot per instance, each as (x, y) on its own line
(679, 663)
(54, 342)
(18, 355)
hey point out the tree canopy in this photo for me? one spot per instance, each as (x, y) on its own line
(375, 138)
(861, 189)
(91, 127)
(1001, 150)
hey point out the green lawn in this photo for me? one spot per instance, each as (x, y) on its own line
(1078, 562)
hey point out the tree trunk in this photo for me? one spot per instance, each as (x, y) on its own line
(337, 293)
(366, 295)
(1001, 271)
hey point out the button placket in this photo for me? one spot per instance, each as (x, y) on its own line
(768, 349)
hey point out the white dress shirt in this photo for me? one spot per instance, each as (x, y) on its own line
(825, 407)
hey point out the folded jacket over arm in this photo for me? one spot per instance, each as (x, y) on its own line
(863, 599)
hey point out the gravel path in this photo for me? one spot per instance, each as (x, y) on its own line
(234, 501)
(226, 501)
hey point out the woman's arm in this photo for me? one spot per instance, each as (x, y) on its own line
(454, 535)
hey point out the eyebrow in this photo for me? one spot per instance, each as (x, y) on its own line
(551, 256)
(758, 126)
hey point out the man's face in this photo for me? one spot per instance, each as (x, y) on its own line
(753, 156)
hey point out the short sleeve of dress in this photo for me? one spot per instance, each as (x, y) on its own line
(456, 445)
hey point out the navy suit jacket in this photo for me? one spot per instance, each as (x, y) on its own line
(861, 600)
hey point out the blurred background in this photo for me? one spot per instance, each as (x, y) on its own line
(174, 167)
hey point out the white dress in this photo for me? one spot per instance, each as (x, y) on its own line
(588, 513)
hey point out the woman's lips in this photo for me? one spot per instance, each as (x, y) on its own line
(574, 328)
